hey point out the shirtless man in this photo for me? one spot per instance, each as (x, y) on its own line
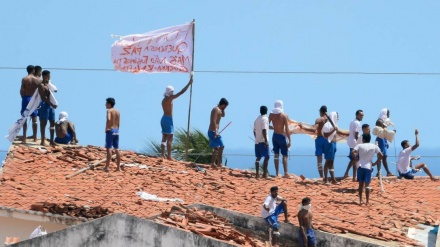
(28, 86)
(112, 134)
(215, 140)
(280, 126)
(167, 119)
(47, 109)
(320, 141)
(306, 232)
(65, 130)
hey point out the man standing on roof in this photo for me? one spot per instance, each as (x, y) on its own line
(280, 122)
(364, 154)
(29, 84)
(329, 131)
(320, 141)
(382, 143)
(47, 109)
(355, 128)
(112, 133)
(270, 212)
(261, 129)
(215, 140)
(167, 119)
(404, 162)
(306, 231)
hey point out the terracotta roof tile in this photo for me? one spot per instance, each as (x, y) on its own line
(32, 175)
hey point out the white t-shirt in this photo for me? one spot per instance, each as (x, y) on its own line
(355, 126)
(366, 153)
(404, 160)
(271, 203)
(261, 123)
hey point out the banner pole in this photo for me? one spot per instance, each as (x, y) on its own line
(190, 92)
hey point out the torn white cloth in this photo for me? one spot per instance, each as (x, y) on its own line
(39, 231)
(52, 87)
(154, 198)
(307, 207)
(328, 127)
(169, 90)
(278, 107)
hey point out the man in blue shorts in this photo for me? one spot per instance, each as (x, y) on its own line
(65, 130)
(270, 212)
(382, 143)
(261, 129)
(320, 141)
(364, 154)
(306, 231)
(215, 140)
(352, 141)
(47, 109)
(29, 85)
(404, 164)
(167, 119)
(112, 134)
(280, 122)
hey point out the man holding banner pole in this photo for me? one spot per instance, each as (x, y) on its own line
(167, 119)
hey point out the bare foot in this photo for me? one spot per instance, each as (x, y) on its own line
(118, 169)
(105, 169)
(43, 143)
(434, 179)
(336, 182)
(287, 176)
(171, 159)
(389, 174)
(53, 144)
(360, 203)
(346, 175)
(35, 139)
(354, 180)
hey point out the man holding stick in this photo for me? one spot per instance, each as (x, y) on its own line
(215, 140)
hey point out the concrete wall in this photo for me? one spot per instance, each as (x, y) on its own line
(122, 230)
(289, 233)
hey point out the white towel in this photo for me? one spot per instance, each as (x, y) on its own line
(328, 127)
(169, 90)
(278, 107)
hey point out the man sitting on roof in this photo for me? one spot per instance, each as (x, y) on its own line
(404, 164)
(270, 211)
(65, 130)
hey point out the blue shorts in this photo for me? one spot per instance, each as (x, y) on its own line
(213, 141)
(24, 102)
(167, 125)
(330, 150)
(311, 238)
(364, 175)
(320, 143)
(112, 138)
(261, 150)
(408, 175)
(382, 143)
(279, 142)
(272, 219)
(46, 112)
(64, 140)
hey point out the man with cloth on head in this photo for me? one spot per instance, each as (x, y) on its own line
(404, 164)
(167, 119)
(65, 130)
(261, 129)
(320, 141)
(383, 122)
(363, 154)
(270, 211)
(306, 232)
(281, 133)
(329, 131)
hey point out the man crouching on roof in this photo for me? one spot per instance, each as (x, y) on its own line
(270, 212)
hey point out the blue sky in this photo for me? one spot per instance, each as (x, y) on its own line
(373, 36)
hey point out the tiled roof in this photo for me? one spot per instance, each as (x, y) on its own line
(32, 175)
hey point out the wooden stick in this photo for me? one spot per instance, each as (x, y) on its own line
(190, 93)
(92, 166)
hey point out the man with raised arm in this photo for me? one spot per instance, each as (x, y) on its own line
(215, 140)
(280, 136)
(404, 162)
(320, 141)
(167, 119)
(29, 84)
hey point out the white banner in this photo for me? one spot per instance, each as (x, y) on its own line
(31, 107)
(160, 51)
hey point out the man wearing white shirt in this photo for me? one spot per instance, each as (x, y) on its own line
(404, 165)
(355, 128)
(364, 154)
(270, 211)
(261, 128)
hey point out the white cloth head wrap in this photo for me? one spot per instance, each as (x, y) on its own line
(278, 107)
(383, 115)
(62, 116)
(327, 128)
(169, 90)
(307, 207)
